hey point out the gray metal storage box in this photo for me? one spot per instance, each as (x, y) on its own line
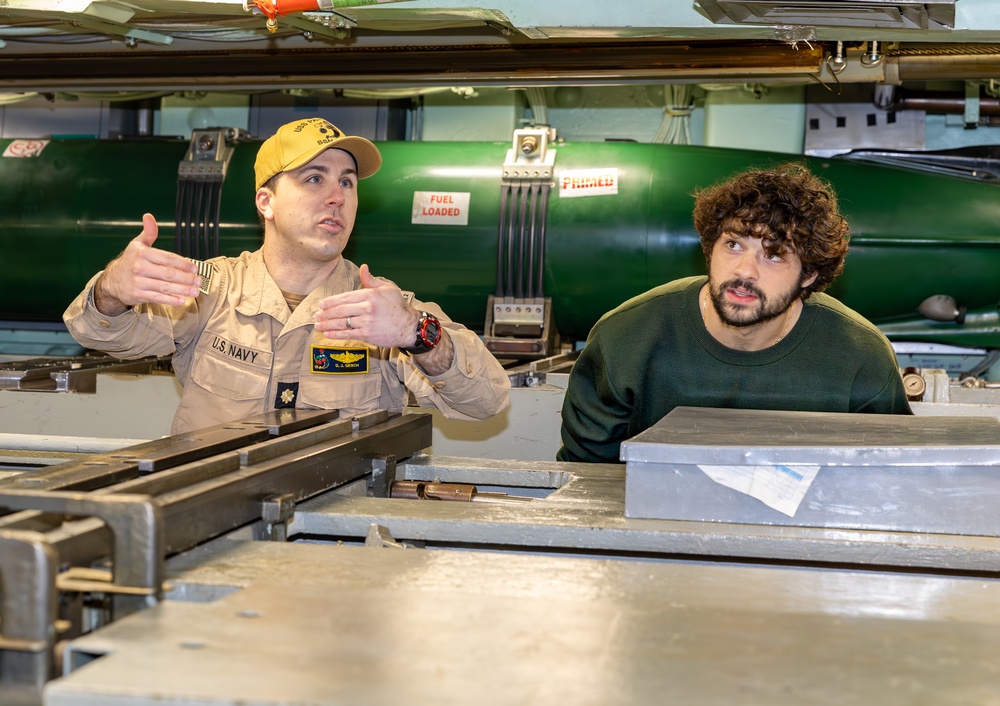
(886, 472)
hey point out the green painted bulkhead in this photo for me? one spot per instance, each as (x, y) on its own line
(67, 211)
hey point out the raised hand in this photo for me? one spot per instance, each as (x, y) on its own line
(144, 274)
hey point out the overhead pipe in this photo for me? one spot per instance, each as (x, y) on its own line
(943, 103)
(942, 62)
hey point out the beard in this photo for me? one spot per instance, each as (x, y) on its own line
(743, 315)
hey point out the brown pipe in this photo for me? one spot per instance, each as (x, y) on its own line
(928, 67)
(450, 491)
(407, 489)
(420, 490)
(943, 103)
(914, 384)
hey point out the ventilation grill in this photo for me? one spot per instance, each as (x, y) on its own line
(880, 14)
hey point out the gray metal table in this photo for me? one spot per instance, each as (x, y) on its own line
(327, 625)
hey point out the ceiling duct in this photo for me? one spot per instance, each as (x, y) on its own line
(879, 14)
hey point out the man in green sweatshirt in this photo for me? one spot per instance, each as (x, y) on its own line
(756, 333)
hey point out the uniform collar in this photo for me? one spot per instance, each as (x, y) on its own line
(261, 294)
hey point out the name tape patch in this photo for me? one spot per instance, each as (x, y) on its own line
(339, 361)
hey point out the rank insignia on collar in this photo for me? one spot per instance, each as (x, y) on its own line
(286, 395)
(339, 361)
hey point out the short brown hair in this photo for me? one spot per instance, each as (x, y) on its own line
(788, 207)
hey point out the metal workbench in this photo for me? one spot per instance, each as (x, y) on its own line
(537, 590)
(311, 624)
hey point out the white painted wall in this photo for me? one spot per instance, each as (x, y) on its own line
(142, 407)
(773, 120)
(491, 114)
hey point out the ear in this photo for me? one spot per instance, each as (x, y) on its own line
(263, 203)
(806, 281)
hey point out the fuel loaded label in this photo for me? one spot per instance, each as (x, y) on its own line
(450, 208)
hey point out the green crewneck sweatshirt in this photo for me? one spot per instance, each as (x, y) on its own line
(653, 353)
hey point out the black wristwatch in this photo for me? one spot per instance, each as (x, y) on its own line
(428, 334)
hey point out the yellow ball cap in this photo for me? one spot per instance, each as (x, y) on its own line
(297, 143)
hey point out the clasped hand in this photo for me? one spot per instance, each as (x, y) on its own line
(377, 314)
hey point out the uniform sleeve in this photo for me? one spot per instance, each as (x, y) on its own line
(595, 417)
(475, 387)
(141, 331)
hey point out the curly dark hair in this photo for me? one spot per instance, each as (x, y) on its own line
(788, 207)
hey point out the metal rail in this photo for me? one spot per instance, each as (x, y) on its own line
(71, 374)
(132, 508)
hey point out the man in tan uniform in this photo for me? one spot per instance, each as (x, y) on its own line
(293, 324)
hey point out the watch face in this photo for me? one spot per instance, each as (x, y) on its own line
(431, 331)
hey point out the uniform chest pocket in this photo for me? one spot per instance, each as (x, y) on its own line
(229, 378)
(355, 392)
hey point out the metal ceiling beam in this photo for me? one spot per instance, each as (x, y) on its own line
(508, 65)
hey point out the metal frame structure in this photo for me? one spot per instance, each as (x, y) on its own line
(106, 556)
(560, 597)
(158, 499)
